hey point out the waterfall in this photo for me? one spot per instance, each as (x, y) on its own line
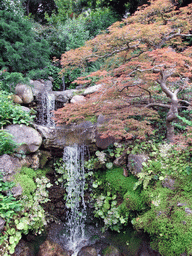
(73, 158)
(47, 108)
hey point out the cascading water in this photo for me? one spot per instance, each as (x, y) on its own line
(47, 108)
(73, 158)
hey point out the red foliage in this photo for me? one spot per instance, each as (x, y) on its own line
(140, 53)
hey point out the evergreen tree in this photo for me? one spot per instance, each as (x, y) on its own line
(19, 50)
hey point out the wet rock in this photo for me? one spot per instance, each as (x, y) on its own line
(40, 86)
(49, 248)
(2, 224)
(111, 251)
(65, 135)
(22, 249)
(29, 139)
(26, 109)
(103, 143)
(24, 92)
(135, 163)
(87, 251)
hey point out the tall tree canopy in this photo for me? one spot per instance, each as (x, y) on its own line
(147, 65)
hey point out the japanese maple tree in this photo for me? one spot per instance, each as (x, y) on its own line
(147, 63)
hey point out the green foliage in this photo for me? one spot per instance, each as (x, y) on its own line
(12, 113)
(8, 204)
(119, 183)
(49, 70)
(99, 19)
(27, 213)
(115, 199)
(168, 221)
(113, 215)
(7, 145)
(27, 183)
(20, 51)
(8, 80)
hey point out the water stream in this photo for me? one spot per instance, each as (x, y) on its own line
(73, 158)
(47, 109)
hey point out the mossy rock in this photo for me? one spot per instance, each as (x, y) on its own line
(111, 251)
(27, 183)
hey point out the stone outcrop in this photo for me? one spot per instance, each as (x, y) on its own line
(40, 86)
(78, 99)
(92, 89)
(49, 248)
(64, 135)
(9, 166)
(64, 96)
(28, 139)
(135, 163)
(24, 92)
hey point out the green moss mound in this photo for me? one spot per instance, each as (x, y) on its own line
(118, 182)
(26, 179)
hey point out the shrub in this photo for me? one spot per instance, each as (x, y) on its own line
(7, 145)
(12, 113)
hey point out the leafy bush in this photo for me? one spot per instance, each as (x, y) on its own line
(25, 214)
(98, 20)
(8, 80)
(12, 113)
(49, 70)
(7, 145)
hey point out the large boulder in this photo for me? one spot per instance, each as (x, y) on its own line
(38, 87)
(24, 92)
(29, 139)
(64, 96)
(65, 135)
(78, 99)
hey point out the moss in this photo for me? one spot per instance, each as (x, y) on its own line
(134, 201)
(118, 182)
(168, 222)
(26, 179)
(27, 183)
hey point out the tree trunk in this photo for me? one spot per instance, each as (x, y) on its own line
(171, 116)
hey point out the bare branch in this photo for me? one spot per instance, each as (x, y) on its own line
(185, 101)
(158, 105)
(172, 36)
